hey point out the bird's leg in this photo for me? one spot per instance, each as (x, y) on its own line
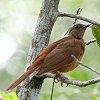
(62, 78)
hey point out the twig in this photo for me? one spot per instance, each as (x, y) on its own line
(52, 89)
(61, 14)
(90, 41)
(64, 79)
(77, 14)
(85, 65)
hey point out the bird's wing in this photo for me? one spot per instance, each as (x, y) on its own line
(40, 57)
(61, 55)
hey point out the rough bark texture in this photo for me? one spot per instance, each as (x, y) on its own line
(29, 90)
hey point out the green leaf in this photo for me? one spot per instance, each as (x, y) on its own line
(96, 33)
(9, 96)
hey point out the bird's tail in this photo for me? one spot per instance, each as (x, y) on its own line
(22, 78)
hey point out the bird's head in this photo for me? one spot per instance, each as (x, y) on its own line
(78, 30)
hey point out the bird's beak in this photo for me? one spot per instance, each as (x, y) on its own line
(86, 26)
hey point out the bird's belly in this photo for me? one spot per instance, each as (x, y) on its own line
(67, 64)
(72, 65)
(68, 67)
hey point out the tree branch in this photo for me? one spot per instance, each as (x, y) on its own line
(61, 14)
(64, 79)
(90, 41)
(30, 88)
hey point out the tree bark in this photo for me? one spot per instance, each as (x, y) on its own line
(30, 88)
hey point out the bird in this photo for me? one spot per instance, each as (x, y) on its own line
(57, 57)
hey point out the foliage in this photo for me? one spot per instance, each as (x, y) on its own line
(96, 33)
(8, 96)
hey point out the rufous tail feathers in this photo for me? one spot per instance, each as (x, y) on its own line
(22, 78)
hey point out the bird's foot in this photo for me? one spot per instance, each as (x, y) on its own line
(60, 77)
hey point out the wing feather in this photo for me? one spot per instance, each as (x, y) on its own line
(62, 55)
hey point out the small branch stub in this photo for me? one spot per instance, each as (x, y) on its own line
(77, 14)
(90, 41)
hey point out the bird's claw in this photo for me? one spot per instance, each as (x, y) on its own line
(64, 84)
(56, 81)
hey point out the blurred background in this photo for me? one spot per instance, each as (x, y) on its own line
(17, 23)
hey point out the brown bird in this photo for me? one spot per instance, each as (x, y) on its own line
(57, 57)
